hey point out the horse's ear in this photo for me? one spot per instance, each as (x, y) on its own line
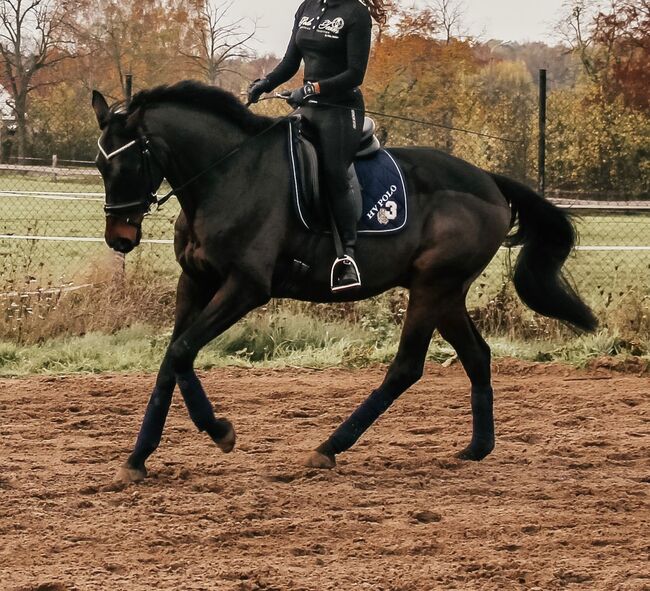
(100, 106)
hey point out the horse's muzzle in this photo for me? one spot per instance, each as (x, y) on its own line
(122, 245)
(122, 235)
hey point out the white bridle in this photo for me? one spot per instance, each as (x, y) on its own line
(114, 152)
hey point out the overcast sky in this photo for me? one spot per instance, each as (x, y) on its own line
(508, 20)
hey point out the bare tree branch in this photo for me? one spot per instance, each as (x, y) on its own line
(29, 40)
(216, 41)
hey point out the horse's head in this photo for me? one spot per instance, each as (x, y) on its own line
(130, 174)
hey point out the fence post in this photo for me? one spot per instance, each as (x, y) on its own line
(129, 88)
(55, 163)
(541, 150)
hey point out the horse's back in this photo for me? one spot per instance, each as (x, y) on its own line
(430, 171)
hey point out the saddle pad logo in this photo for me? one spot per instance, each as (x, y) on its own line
(388, 213)
(334, 27)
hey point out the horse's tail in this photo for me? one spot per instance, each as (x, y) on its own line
(547, 237)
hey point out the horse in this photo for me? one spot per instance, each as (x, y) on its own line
(238, 235)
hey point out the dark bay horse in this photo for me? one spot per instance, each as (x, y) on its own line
(238, 235)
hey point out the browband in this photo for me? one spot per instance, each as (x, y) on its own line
(115, 152)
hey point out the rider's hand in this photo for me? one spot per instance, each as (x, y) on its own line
(257, 88)
(298, 97)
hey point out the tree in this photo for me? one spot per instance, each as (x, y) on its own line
(139, 37)
(215, 44)
(393, 10)
(448, 15)
(613, 44)
(31, 39)
(625, 29)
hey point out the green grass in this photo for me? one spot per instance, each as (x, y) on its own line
(280, 340)
(614, 230)
(45, 182)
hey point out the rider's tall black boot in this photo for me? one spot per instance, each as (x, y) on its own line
(345, 272)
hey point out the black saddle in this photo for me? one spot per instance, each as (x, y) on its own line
(306, 170)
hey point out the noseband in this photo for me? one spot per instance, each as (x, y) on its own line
(144, 204)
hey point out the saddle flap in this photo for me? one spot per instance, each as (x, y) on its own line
(304, 159)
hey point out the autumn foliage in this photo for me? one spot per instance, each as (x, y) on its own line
(422, 67)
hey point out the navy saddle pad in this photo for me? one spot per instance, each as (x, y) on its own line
(384, 208)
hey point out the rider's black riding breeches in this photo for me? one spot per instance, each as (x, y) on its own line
(339, 131)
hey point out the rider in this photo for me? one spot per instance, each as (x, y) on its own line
(333, 38)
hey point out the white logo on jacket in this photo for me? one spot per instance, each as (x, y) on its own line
(305, 21)
(335, 26)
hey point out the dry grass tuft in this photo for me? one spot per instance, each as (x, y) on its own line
(112, 301)
(101, 299)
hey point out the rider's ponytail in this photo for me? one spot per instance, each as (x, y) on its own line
(377, 10)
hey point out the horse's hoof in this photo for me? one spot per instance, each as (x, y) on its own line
(227, 443)
(475, 453)
(128, 474)
(321, 461)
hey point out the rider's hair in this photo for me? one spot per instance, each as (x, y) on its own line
(377, 10)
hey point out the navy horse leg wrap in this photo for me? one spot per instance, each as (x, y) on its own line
(199, 407)
(153, 422)
(482, 413)
(370, 410)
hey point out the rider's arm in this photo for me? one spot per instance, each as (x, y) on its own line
(358, 52)
(290, 63)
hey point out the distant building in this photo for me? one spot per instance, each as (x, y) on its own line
(7, 125)
(6, 112)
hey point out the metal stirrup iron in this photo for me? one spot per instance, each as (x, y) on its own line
(341, 257)
(344, 260)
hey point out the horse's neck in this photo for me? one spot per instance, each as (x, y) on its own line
(194, 142)
(239, 185)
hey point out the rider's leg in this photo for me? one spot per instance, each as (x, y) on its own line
(339, 133)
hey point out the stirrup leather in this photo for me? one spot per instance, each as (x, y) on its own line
(345, 260)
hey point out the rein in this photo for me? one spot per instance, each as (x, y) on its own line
(401, 118)
(152, 198)
(160, 202)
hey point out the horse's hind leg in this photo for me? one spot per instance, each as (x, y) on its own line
(457, 328)
(404, 371)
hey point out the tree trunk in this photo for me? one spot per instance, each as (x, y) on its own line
(20, 109)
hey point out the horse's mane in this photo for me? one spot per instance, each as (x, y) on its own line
(215, 100)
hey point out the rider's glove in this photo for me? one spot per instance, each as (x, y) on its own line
(257, 88)
(298, 97)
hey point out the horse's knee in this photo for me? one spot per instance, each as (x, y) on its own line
(166, 382)
(181, 356)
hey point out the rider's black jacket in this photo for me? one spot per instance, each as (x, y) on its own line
(333, 37)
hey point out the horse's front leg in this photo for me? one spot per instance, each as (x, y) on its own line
(231, 302)
(190, 300)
